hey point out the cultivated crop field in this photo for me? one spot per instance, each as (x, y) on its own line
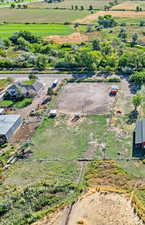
(39, 15)
(7, 30)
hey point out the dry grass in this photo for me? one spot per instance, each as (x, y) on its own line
(125, 14)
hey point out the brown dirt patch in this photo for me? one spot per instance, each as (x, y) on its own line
(72, 38)
(85, 98)
(128, 14)
(125, 6)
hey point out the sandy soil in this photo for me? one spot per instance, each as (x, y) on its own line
(128, 14)
(98, 209)
(72, 38)
(90, 98)
(126, 6)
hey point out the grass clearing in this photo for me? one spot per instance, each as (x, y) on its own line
(4, 83)
(40, 15)
(42, 30)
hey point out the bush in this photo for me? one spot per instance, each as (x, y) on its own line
(113, 79)
(6, 103)
(25, 102)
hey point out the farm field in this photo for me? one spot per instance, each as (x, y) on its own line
(40, 15)
(97, 4)
(7, 30)
(129, 5)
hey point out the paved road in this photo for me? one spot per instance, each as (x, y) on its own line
(56, 76)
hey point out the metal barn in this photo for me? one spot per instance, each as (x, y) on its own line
(8, 125)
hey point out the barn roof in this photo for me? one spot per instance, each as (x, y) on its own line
(6, 122)
(140, 131)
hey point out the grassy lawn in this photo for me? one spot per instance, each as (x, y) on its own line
(4, 83)
(41, 30)
(19, 104)
(31, 15)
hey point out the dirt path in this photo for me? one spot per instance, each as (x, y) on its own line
(128, 14)
(96, 208)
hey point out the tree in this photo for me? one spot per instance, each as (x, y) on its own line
(134, 39)
(50, 91)
(90, 7)
(123, 34)
(76, 7)
(41, 62)
(107, 21)
(138, 78)
(137, 8)
(137, 100)
(82, 7)
(32, 77)
(12, 6)
(96, 44)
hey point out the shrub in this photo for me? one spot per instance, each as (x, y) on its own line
(6, 103)
(25, 102)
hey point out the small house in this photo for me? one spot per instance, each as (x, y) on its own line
(8, 126)
(140, 134)
(23, 89)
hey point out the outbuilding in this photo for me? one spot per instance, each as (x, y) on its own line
(2, 111)
(8, 126)
(140, 134)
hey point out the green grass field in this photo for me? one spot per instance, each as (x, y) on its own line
(42, 30)
(40, 15)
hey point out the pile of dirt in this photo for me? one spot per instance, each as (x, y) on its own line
(72, 38)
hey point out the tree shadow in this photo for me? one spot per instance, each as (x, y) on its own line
(132, 117)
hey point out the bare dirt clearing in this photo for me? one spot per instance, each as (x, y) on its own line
(86, 98)
(125, 14)
(74, 38)
(99, 209)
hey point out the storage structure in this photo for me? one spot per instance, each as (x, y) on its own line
(140, 134)
(8, 125)
(2, 111)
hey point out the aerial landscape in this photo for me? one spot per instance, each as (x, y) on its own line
(72, 112)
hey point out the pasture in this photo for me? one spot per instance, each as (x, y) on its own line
(67, 4)
(42, 30)
(40, 15)
(129, 5)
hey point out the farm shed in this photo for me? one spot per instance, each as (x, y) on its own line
(2, 111)
(8, 126)
(140, 134)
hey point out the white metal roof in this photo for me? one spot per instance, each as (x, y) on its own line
(6, 122)
(1, 110)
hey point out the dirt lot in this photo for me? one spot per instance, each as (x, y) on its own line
(75, 38)
(126, 14)
(99, 209)
(87, 98)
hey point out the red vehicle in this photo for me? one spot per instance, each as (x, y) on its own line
(114, 90)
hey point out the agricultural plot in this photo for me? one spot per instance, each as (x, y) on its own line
(129, 5)
(97, 4)
(42, 30)
(39, 15)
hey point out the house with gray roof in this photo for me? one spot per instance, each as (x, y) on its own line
(22, 89)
